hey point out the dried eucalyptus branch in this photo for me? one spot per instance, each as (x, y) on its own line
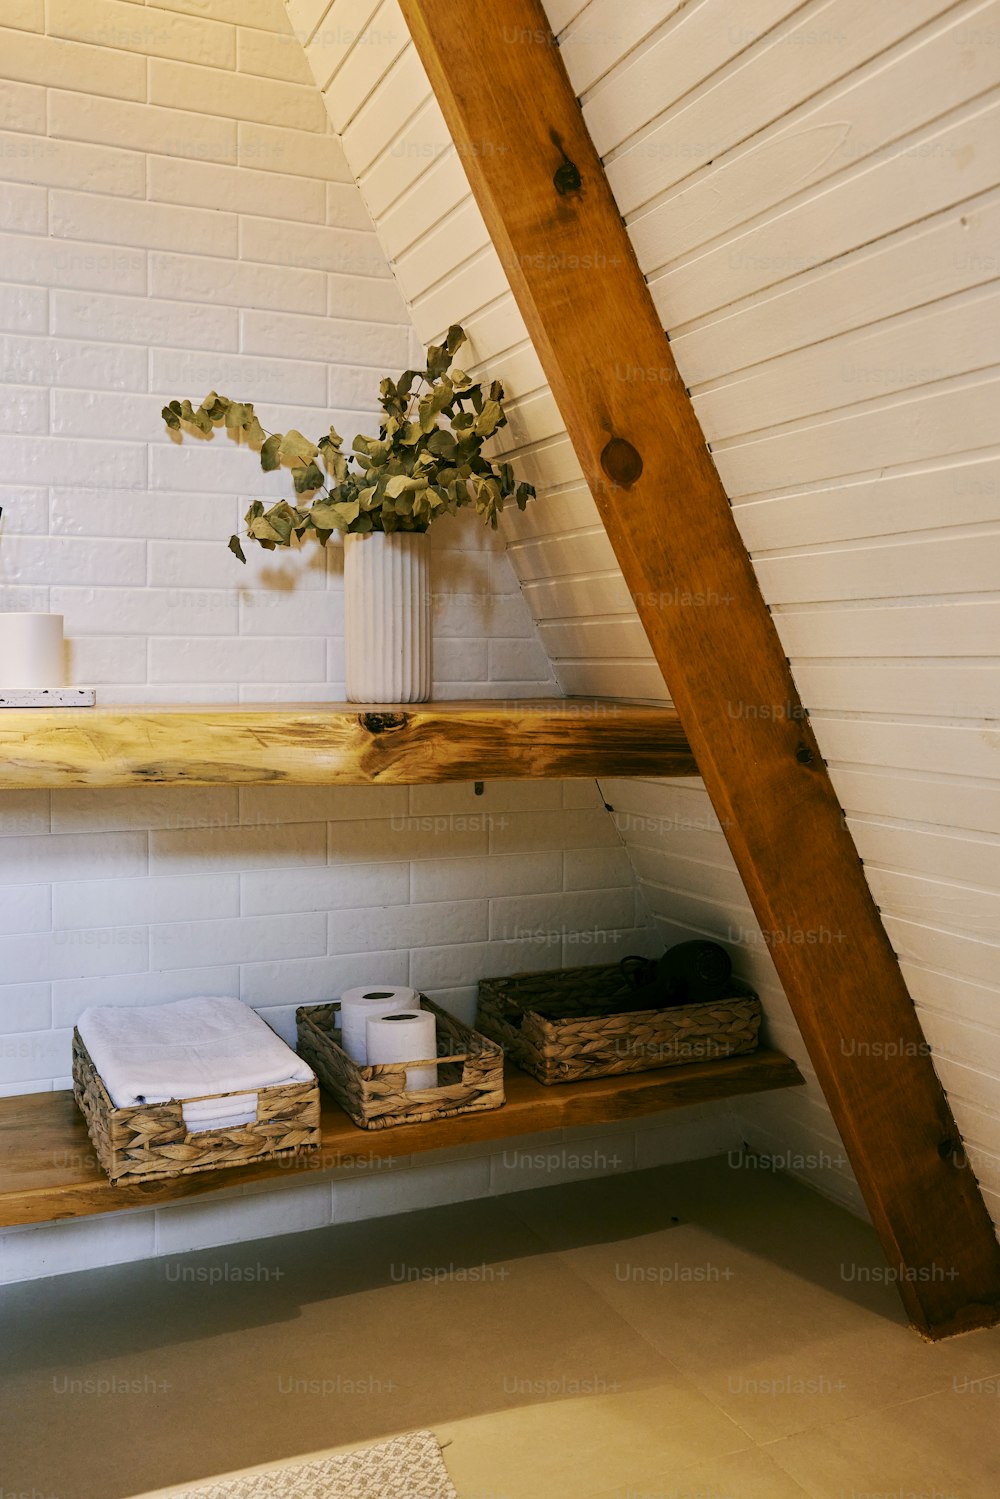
(427, 460)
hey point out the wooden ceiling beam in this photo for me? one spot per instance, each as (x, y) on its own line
(540, 184)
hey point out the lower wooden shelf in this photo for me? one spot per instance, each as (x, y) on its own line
(48, 1169)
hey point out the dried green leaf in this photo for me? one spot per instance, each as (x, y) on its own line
(441, 444)
(270, 453)
(336, 465)
(307, 479)
(261, 530)
(297, 449)
(489, 419)
(237, 414)
(432, 404)
(215, 406)
(335, 516)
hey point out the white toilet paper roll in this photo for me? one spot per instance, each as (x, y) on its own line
(31, 650)
(358, 1006)
(407, 1036)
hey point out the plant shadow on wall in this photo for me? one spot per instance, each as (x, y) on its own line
(427, 462)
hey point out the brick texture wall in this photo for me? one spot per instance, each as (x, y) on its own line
(176, 214)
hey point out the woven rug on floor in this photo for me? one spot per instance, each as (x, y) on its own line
(407, 1467)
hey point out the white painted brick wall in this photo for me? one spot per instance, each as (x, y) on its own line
(177, 215)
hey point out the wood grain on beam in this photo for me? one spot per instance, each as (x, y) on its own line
(341, 744)
(48, 1169)
(541, 187)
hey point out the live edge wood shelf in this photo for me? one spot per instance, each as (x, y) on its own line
(48, 1169)
(344, 744)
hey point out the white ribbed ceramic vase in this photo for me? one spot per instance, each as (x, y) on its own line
(387, 618)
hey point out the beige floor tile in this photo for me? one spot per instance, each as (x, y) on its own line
(836, 1378)
(940, 1447)
(741, 1475)
(777, 1353)
(416, 1354)
(570, 1448)
(509, 1325)
(784, 1331)
(750, 1210)
(337, 1337)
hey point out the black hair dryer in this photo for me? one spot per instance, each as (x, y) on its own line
(690, 973)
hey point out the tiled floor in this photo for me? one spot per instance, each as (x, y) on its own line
(692, 1332)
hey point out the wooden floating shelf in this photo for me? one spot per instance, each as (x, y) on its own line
(48, 1169)
(339, 744)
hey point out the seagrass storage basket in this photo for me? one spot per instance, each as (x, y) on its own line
(470, 1072)
(151, 1140)
(577, 1035)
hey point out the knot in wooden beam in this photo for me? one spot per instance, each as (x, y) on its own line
(382, 723)
(620, 461)
(567, 177)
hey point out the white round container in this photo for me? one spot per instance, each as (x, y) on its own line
(31, 650)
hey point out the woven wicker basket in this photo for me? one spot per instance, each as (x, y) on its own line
(151, 1140)
(470, 1072)
(578, 1038)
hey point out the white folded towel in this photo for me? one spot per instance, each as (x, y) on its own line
(191, 1049)
(231, 1112)
(232, 1106)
